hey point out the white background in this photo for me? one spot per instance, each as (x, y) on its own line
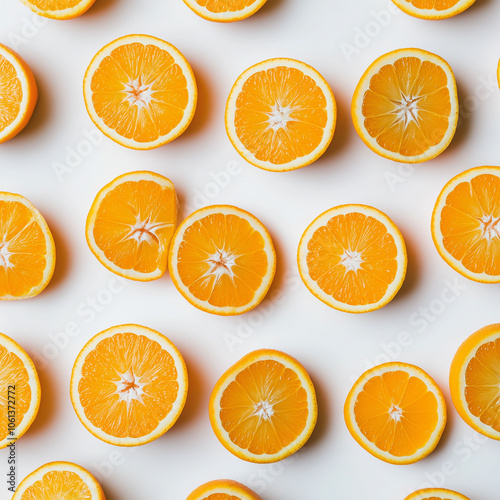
(334, 347)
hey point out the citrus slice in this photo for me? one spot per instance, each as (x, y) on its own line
(436, 494)
(433, 9)
(59, 480)
(27, 251)
(475, 381)
(222, 260)
(264, 407)
(396, 412)
(19, 391)
(466, 224)
(131, 223)
(140, 91)
(223, 489)
(224, 11)
(280, 115)
(128, 385)
(353, 258)
(59, 9)
(18, 93)
(405, 107)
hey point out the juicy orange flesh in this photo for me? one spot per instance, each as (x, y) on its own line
(140, 92)
(275, 390)
(340, 237)
(222, 261)
(280, 115)
(135, 408)
(470, 224)
(134, 225)
(23, 248)
(58, 484)
(407, 106)
(397, 413)
(220, 496)
(54, 4)
(434, 4)
(11, 93)
(218, 6)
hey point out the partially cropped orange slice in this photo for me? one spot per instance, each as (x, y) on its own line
(264, 408)
(436, 494)
(59, 9)
(224, 11)
(128, 385)
(405, 107)
(433, 9)
(140, 91)
(223, 489)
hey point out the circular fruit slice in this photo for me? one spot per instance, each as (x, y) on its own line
(59, 480)
(281, 115)
(59, 9)
(222, 260)
(223, 489)
(405, 106)
(140, 91)
(27, 251)
(396, 412)
(264, 408)
(466, 224)
(436, 494)
(353, 258)
(18, 93)
(433, 9)
(131, 223)
(128, 385)
(225, 11)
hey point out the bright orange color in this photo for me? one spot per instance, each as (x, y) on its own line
(223, 489)
(436, 494)
(225, 11)
(433, 9)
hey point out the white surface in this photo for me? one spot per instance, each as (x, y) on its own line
(334, 347)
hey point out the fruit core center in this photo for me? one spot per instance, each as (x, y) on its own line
(395, 413)
(129, 387)
(351, 260)
(4, 256)
(491, 227)
(144, 230)
(407, 109)
(264, 409)
(279, 116)
(222, 262)
(138, 94)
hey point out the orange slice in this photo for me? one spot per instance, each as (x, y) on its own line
(222, 260)
(59, 480)
(18, 93)
(223, 489)
(436, 494)
(466, 224)
(353, 258)
(128, 385)
(433, 9)
(396, 412)
(131, 223)
(224, 11)
(59, 9)
(405, 106)
(264, 407)
(280, 115)
(27, 251)
(475, 381)
(140, 91)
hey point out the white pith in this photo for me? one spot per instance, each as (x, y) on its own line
(351, 260)
(263, 410)
(129, 388)
(139, 94)
(221, 263)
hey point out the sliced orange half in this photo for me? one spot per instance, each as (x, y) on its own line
(433, 9)
(224, 11)
(59, 9)
(353, 258)
(466, 224)
(131, 223)
(396, 412)
(18, 93)
(27, 251)
(223, 489)
(264, 407)
(436, 494)
(405, 107)
(128, 385)
(222, 260)
(140, 91)
(281, 115)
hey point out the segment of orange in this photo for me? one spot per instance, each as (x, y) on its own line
(128, 385)
(353, 258)
(131, 223)
(225, 11)
(475, 381)
(59, 9)
(223, 489)
(396, 412)
(59, 480)
(466, 224)
(280, 115)
(222, 260)
(140, 91)
(27, 251)
(433, 9)
(405, 107)
(436, 494)
(18, 93)
(264, 407)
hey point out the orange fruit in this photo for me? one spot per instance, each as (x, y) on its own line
(264, 407)
(131, 223)
(396, 412)
(18, 93)
(140, 91)
(405, 107)
(223, 489)
(280, 115)
(475, 381)
(128, 385)
(353, 258)
(436, 494)
(27, 251)
(433, 9)
(466, 224)
(59, 480)
(224, 11)
(59, 9)
(222, 260)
